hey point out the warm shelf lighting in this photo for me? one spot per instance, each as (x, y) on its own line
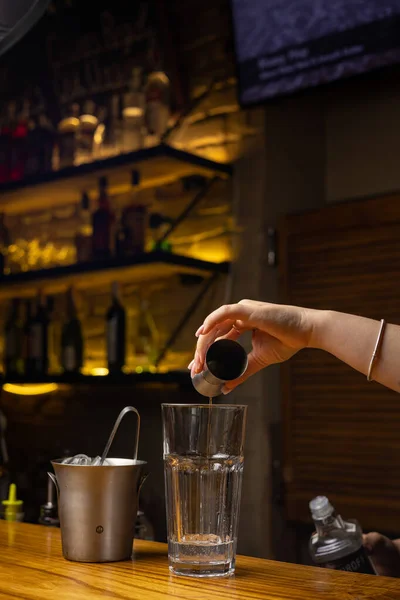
(30, 389)
(99, 371)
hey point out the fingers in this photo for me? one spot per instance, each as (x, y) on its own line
(229, 312)
(253, 367)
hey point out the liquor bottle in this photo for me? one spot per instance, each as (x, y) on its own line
(103, 222)
(146, 343)
(83, 237)
(337, 544)
(19, 134)
(134, 219)
(113, 130)
(116, 336)
(68, 129)
(38, 346)
(88, 123)
(133, 113)
(4, 243)
(13, 341)
(45, 138)
(157, 113)
(71, 338)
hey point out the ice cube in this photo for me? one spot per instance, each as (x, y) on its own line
(78, 459)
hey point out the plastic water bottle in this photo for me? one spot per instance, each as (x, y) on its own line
(337, 544)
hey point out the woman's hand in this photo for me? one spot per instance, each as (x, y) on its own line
(278, 333)
(385, 554)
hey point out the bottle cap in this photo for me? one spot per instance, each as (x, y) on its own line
(321, 507)
(12, 506)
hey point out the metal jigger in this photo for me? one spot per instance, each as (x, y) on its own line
(225, 360)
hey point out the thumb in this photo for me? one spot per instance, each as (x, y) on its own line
(253, 366)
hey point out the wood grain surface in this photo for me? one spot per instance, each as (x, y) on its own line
(32, 568)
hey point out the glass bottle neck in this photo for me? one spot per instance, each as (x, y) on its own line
(327, 524)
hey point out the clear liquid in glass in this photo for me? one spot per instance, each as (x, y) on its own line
(203, 501)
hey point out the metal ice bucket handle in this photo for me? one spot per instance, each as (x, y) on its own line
(114, 431)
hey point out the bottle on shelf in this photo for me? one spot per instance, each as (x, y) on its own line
(123, 241)
(71, 338)
(18, 144)
(116, 332)
(133, 113)
(68, 129)
(83, 237)
(88, 123)
(13, 341)
(146, 341)
(157, 112)
(4, 244)
(337, 544)
(103, 224)
(113, 132)
(38, 346)
(134, 218)
(9, 125)
(44, 143)
(99, 136)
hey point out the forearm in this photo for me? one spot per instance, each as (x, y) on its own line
(352, 339)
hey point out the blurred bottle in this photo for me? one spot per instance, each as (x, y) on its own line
(113, 131)
(18, 143)
(38, 346)
(67, 138)
(88, 123)
(147, 339)
(9, 125)
(134, 219)
(157, 113)
(4, 244)
(116, 332)
(71, 338)
(44, 140)
(103, 224)
(337, 544)
(100, 134)
(13, 341)
(83, 237)
(133, 113)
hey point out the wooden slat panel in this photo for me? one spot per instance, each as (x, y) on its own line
(342, 434)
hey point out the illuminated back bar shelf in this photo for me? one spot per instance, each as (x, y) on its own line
(158, 166)
(179, 377)
(138, 269)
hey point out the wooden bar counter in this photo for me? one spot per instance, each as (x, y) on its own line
(32, 568)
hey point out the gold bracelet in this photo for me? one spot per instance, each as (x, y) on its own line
(376, 349)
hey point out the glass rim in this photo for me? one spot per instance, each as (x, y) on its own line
(205, 405)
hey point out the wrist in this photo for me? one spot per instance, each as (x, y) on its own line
(319, 321)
